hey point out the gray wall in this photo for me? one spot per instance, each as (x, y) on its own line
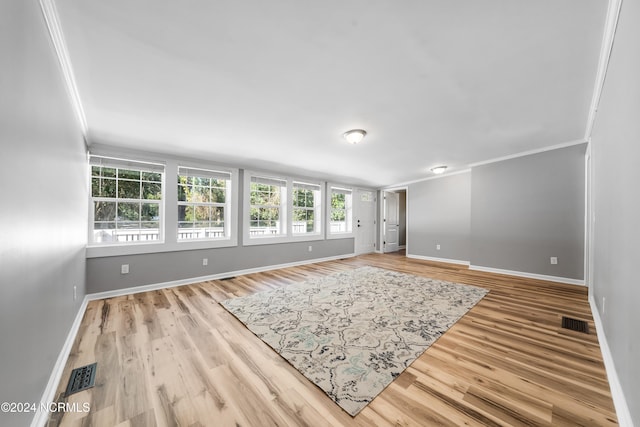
(511, 215)
(439, 214)
(528, 209)
(615, 153)
(43, 215)
(103, 274)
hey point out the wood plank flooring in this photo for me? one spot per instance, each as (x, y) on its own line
(175, 357)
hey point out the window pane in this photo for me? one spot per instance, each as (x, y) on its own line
(128, 211)
(200, 194)
(182, 193)
(218, 195)
(129, 189)
(95, 170)
(95, 187)
(128, 174)
(203, 213)
(182, 213)
(217, 216)
(269, 213)
(101, 187)
(150, 212)
(186, 213)
(151, 191)
(108, 172)
(104, 211)
(205, 182)
(338, 215)
(152, 176)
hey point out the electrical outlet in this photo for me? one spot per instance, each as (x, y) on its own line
(124, 269)
(75, 292)
(554, 260)
(437, 247)
(205, 261)
(603, 301)
(310, 248)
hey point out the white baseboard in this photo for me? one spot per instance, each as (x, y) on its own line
(41, 417)
(174, 283)
(447, 260)
(529, 275)
(620, 403)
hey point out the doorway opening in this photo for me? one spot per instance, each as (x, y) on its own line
(394, 220)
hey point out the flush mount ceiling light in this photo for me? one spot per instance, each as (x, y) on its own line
(439, 169)
(354, 136)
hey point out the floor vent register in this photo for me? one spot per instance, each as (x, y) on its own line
(575, 324)
(81, 379)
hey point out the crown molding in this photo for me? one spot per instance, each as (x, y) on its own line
(611, 25)
(429, 178)
(52, 20)
(530, 152)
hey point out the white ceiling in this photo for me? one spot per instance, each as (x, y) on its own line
(273, 85)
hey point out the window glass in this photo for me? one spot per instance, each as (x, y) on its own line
(126, 197)
(203, 200)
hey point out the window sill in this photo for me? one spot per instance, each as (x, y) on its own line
(252, 241)
(95, 251)
(341, 235)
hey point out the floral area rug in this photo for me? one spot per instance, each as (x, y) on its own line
(351, 333)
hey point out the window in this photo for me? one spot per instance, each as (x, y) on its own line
(340, 211)
(267, 206)
(126, 199)
(203, 204)
(306, 208)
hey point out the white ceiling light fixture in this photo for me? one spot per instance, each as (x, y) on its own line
(354, 136)
(439, 169)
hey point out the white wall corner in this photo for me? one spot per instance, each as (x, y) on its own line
(619, 401)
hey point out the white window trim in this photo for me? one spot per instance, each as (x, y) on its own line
(169, 210)
(230, 227)
(287, 236)
(91, 245)
(317, 208)
(338, 235)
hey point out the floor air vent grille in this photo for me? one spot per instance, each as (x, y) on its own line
(81, 379)
(575, 324)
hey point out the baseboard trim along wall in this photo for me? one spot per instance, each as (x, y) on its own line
(41, 417)
(619, 401)
(567, 280)
(163, 285)
(447, 260)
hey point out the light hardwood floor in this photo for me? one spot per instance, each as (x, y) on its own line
(175, 357)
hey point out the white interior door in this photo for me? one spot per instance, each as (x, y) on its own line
(390, 238)
(365, 221)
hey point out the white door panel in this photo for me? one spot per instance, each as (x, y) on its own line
(391, 222)
(365, 212)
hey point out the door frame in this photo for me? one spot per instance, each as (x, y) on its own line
(395, 189)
